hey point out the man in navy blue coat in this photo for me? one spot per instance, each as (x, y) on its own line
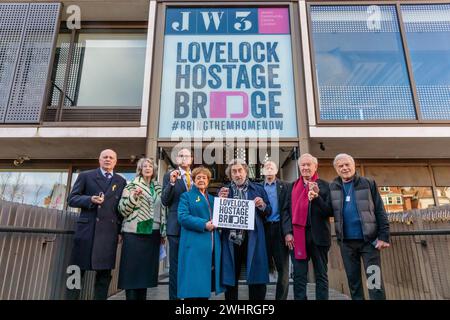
(97, 193)
(247, 247)
(175, 183)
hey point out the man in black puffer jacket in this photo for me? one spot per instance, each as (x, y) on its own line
(362, 227)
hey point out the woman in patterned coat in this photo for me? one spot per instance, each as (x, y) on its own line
(143, 229)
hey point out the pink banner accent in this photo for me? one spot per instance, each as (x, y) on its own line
(273, 20)
(218, 104)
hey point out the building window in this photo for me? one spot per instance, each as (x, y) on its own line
(427, 30)
(361, 72)
(384, 189)
(38, 188)
(407, 198)
(443, 194)
(106, 69)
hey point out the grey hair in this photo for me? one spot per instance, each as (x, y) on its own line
(140, 166)
(233, 163)
(272, 162)
(308, 155)
(341, 156)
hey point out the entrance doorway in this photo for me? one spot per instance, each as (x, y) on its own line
(216, 159)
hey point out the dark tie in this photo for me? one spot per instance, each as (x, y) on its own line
(108, 175)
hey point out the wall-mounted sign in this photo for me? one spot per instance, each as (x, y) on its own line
(227, 73)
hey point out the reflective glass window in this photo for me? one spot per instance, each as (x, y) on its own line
(106, 70)
(38, 188)
(427, 30)
(360, 64)
(111, 70)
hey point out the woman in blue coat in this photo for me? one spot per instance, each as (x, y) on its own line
(200, 247)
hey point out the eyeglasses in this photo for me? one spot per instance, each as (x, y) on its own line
(184, 157)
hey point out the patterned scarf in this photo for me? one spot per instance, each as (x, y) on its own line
(239, 192)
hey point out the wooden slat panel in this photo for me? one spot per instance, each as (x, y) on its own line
(399, 176)
(442, 176)
(326, 173)
(410, 269)
(329, 174)
(36, 258)
(34, 238)
(22, 254)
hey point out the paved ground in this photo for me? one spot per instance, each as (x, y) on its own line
(161, 293)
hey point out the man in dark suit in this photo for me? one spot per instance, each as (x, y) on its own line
(175, 183)
(277, 191)
(97, 193)
(306, 227)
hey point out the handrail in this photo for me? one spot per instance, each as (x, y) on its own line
(34, 230)
(431, 232)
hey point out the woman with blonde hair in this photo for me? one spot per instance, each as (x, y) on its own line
(143, 229)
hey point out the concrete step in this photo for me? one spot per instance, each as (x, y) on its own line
(162, 293)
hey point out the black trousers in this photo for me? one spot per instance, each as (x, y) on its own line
(174, 243)
(255, 291)
(136, 294)
(352, 251)
(101, 286)
(319, 257)
(279, 252)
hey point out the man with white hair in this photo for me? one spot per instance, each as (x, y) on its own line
(97, 193)
(277, 191)
(306, 227)
(362, 227)
(245, 247)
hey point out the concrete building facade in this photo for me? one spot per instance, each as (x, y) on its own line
(254, 79)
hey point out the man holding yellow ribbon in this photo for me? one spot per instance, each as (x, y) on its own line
(175, 183)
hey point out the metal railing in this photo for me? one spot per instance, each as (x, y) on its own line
(416, 265)
(36, 243)
(35, 248)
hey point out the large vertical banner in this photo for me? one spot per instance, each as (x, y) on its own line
(227, 72)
